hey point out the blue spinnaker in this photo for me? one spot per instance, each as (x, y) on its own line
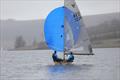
(54, 29)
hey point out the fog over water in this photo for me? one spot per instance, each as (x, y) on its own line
(39, 9)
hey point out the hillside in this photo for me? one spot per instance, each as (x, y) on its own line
(100, 27)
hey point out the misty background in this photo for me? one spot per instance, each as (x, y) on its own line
(22, 22)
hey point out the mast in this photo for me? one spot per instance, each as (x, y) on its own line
(64, 56)
(64, 40)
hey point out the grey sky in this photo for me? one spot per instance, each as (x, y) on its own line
(37, 9)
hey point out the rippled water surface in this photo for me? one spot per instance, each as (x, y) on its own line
(38, 65)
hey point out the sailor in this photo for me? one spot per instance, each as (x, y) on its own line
(70, 57)
(55, 57)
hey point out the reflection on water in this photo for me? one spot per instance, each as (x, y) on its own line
(56, 69)
(68, 68)
(71, 71)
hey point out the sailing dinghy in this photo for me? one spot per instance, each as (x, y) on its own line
(65, 31)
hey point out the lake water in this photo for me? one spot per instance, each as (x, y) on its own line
(38, 65)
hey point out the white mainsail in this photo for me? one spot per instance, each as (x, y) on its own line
(76, 36)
